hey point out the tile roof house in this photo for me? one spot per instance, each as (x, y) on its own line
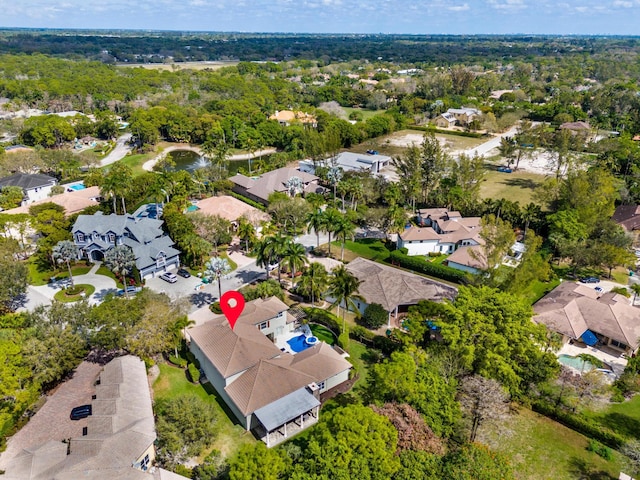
(572, 309)
(273, 392)
(288, 117)
(349, 161)
(35, 186)
(457, 116)
(72, 202)
(259, 189)
(628, 217)
(153, 249)
(231, 209)
(119, 439)
(394, 289)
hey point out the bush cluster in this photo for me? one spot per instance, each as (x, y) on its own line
(447, 132)
(596, 447)
(194, 373)
(420, 265)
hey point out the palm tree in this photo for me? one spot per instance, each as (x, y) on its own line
(294, 186)
(334, 175)
(331, 219)
(316, 222)
(344, 229)
(66, 251)
(217, 267)
(343, 287)
(246, 232)
(314, 281)
(120, 260)
(295, 257)
(270, 250)
(178, 331)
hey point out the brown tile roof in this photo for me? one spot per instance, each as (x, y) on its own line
(464, 256)
(266, 382)
(72, 202)
(290, 116)
(575, 126)
(627, 216)
(419, 233)
(232, 351)
(270, 182)
(320, 361)
(390, 287)
(228, 207)
(571, 309)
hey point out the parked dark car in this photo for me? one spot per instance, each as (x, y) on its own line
(590, 280)
(169, 277)
(504, 169)
(80, 412)
(183, 273)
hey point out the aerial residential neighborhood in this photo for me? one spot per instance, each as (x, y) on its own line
(233, 256)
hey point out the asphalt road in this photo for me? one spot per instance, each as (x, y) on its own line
(119, 151)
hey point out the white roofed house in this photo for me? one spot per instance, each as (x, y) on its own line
(271, 391)
(457, 116)
(349, 161)
(154, 251)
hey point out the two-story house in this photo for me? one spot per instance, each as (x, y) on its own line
(35, 186)
(154, 251)
(272, 391)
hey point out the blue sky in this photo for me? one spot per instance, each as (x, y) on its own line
(620, 17)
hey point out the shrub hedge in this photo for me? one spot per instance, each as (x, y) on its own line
(194, 373)
(177, 361)
(420, 265)
(580, 424)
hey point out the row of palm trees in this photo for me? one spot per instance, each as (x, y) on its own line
(332, 222)
(315, 281)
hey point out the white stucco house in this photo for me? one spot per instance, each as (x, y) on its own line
(273, 391)
(349, 161)
(440, 231)
(35, 186)
(154, 251)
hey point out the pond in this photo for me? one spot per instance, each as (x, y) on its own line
(190, 161)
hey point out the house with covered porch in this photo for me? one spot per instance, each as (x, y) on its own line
(272, 391)
(582, 314)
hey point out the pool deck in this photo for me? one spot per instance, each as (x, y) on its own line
(617, 362)
(281, 341)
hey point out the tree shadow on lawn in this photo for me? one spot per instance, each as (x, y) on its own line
(620, 423)
(521, 183)
(583, 470)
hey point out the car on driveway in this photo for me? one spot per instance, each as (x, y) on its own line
(590, 280)
(169, 277)
(131, 290)
(183, 273)
(83, 411)
(504, 169)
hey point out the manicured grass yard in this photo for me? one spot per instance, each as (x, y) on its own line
(366, 114)
(86, 291)
(135, 162)
(173, 382)
(516, 186)
(541, 449)
(41, 277)
(323, 333)
(370, 248)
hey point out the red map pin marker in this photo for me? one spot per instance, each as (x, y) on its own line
(232, 304)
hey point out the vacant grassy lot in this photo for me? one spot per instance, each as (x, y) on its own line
(516, 186)
(541, 449)
(366, 114)
(173, 382)
(623, 418)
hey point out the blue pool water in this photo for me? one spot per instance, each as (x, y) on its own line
(77, 186)
(298, 344)
(192, 208)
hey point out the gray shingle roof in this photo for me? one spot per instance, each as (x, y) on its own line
(27, 181)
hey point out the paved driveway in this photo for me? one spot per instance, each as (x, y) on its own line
(52, 421)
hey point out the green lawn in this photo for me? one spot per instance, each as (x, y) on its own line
(135, 162)
(358, 356)
(623, 418)
(41, 277)
(370, 248)
(62, 296)
(366, 114)
(323, 333)
(173, 382)
(516, 186)
(538, 289)
(541, 449)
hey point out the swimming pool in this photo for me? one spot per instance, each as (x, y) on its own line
(579, 364)
(298, 344)
(77, 186)
(193, 208)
